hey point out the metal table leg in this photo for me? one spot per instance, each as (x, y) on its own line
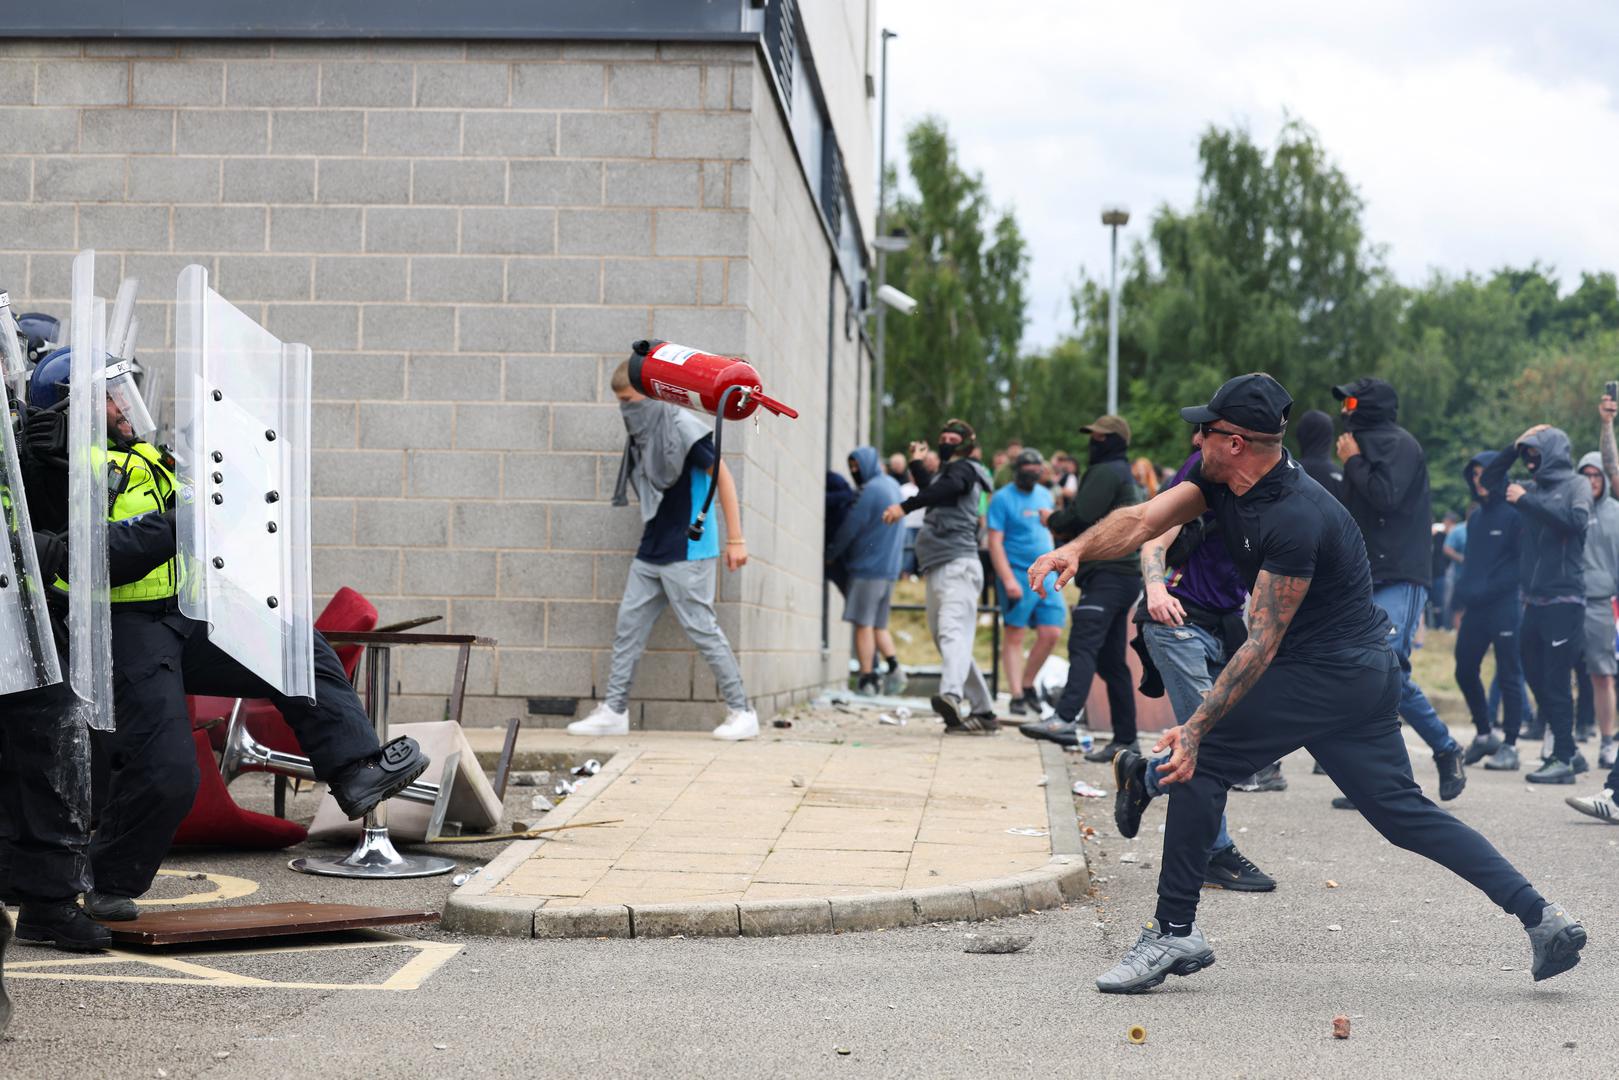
(374, 856)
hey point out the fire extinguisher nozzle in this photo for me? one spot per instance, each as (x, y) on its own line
(777, 407)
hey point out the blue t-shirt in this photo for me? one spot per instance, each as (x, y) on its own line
(1017, 515)
(664, 539)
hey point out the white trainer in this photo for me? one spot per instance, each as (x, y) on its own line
(739, 724)
(602, 721)
(1600, 806)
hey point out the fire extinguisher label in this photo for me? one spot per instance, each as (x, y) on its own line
(678, 395)
(671, 353)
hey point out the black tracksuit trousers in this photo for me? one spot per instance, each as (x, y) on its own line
(1345, 716)
(44, 796)
(1492, 622)
(150, 762)
(1097, 640)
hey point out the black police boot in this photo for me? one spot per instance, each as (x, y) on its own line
(108, 907)
(371, 780)
(5, 939)
(63, 924)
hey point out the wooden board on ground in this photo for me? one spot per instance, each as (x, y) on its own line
(257, 921)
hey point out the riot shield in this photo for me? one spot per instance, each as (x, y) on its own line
(27, 651)
(242, 419)
(12, 361)
(89, 608)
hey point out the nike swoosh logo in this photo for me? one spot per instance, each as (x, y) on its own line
(1557, 643)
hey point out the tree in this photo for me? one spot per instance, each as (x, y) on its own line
(967, 267)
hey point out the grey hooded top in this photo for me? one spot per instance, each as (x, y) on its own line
(1601, 564)
(660, 437)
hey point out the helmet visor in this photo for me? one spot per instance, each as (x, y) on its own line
(125, 396)
(11, 354)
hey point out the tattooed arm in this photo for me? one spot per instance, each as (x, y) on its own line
(1610, 452)
(1163, 607)
(1275, 601)
(1120, 533)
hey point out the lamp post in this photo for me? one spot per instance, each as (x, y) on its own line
(879, 399)
(1113, 217)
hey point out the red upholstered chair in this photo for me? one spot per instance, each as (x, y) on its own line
(216, 821)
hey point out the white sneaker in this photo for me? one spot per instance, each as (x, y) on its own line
(602, 721)
(739, 724)
(1609, 753)
(1600, 806)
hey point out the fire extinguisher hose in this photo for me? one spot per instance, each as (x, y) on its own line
(694, 531)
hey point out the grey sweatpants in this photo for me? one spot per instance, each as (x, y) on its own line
(688, 588)
(953, 589)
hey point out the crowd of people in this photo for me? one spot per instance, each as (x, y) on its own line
(1172, 562)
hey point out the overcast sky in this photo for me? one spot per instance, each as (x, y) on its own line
(1480, 133)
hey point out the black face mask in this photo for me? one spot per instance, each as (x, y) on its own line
(854, 474)
(947, 450)
(1531, 459)
(1026, 481)
(1108, 446)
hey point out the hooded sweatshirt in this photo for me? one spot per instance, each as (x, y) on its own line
(1555, 510)
(1106, 486)
(867, 547)
(1601, 565)
(1314, 431)
(1386, 487)
(1494, 536)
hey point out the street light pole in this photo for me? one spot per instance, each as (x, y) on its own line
(1113, 217)
(879, 399)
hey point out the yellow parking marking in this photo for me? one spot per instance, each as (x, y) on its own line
(429, 956)
(228, 888)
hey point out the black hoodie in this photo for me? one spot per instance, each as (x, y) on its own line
(1386, 486)
(1314, 431)
(1494, 538)
(1555, 509)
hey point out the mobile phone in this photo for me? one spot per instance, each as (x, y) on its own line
(1612, 390)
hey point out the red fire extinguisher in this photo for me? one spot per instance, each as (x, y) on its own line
(724, 386)
(694, 379)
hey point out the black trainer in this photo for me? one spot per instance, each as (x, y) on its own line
(1031, 698)
(1064, 733)
(1231, 869)
(108, 907)
(1342, 802)
(984, 723)
(1481, 747)
(1104, 754)
(869, 683)
(371, 780)
(1132, 800)
(1018, 706)
(1452, 774)
(65, 925)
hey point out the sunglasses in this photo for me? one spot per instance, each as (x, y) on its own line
(1209, 429)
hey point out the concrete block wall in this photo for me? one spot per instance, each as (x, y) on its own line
(469, 236)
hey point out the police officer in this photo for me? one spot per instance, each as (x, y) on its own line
(160, 655)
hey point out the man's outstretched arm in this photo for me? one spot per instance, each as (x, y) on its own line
(1119, 534)
(1275, 601)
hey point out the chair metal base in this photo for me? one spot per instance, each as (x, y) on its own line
(374, 857)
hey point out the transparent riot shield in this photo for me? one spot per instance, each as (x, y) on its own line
(12, 362)
(242, 444)
(89, 614)
(27, 651)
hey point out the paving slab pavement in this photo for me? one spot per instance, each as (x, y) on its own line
(827, 816)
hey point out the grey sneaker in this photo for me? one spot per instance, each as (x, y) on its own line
(1609, 754)
(1557, 942)
(1156, 955)
(1269, 778)
(895, 682)
(1504, 759)
(1552, 771)
(1481, 747)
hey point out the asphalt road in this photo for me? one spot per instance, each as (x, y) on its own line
(1435, 981)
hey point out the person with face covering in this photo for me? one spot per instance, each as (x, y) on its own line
(947, 556)
(670, 461)
(1018, 536)
(1492, 612)
(1555, 510)
(1314, 431)
(1385, 489)
(870, 552)
(1100, 630)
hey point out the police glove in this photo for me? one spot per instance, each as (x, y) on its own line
(45, 439)
(52, 551)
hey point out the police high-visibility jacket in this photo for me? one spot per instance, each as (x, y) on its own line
(147, 487)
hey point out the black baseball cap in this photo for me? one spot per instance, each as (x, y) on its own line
(1254, 401)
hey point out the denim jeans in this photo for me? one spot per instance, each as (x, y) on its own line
(1188, 659)
(1403, 603)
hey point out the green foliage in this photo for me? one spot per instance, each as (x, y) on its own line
(967, 266)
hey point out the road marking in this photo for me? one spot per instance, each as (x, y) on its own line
(429, 956)
(229, 888)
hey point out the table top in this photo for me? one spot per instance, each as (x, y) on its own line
(381, 637)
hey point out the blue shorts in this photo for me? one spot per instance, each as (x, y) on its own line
(1032, 610)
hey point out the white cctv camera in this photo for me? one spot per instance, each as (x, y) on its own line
(897, 300)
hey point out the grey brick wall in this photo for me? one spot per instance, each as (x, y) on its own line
(469, 236)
